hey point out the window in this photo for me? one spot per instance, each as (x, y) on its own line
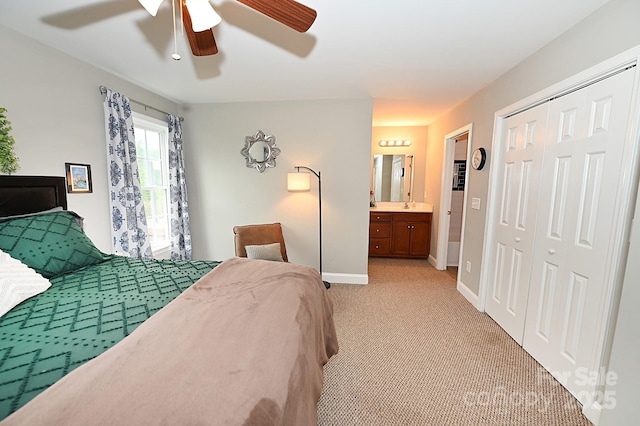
(152, 151)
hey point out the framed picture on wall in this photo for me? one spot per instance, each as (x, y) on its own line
(78, 178)
(459, 172)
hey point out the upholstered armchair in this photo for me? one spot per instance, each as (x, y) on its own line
(259, 235)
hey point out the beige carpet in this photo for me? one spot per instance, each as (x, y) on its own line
(413, 351)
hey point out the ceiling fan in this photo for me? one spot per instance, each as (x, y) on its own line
(199, 18)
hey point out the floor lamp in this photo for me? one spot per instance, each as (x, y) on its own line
(297, 182)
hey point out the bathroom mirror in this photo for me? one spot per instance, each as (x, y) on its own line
(260, 151)
(393, 177)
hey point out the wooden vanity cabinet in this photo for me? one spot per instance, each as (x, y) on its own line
(380, 234)
(402, 234)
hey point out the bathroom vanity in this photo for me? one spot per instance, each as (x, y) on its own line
(396, 231)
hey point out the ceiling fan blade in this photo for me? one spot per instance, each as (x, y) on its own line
(202, 43)
(288, 12)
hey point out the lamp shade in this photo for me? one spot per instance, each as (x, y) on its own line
(298, 181)
(151, 6)
(202, 14)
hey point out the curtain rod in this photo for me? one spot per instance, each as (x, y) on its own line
(103, 91)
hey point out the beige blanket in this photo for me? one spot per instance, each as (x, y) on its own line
(245, 345)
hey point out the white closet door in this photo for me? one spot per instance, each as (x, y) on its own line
(519, 177)
(586, 131)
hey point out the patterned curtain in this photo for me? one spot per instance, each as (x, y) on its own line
(180, 233)
(129, 224)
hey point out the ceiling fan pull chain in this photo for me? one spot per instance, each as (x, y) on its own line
(181, 18)
(175, 54)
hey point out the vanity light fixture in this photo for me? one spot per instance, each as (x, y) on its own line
(394, 143)
(298, 182)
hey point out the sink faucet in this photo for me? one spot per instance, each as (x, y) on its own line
(406, 205)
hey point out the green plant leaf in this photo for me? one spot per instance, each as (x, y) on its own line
(8, 160)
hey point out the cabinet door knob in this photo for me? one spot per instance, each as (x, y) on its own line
(517, 239)
(551, 251)
(377, 247)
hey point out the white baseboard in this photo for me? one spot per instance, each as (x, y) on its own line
(433, 261)
(469, 295)
(346, 278)
(592, 412)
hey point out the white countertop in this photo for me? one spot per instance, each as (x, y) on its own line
(399, 207)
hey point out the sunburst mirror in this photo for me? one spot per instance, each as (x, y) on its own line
(260, 151)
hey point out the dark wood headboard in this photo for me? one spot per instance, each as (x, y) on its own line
(30, 194)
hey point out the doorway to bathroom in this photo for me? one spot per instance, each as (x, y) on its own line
(453, 199)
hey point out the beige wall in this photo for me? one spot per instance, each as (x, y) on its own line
(42, 89)
(605, 33)
(418, 137)
(332, 137)
(622, 386)
(600, 36)
(56, 110)
(457, 197)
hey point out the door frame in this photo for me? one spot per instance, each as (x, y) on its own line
(628, 188)
(446, 191)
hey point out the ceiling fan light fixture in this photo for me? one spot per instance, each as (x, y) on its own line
(202, 14)
(152, 6)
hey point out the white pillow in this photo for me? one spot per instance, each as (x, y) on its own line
(265, 252)
(18, 282)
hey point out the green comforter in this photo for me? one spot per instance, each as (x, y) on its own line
(83, 314)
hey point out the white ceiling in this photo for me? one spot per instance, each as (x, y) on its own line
(415, 58)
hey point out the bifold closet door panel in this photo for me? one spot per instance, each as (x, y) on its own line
(581, 174)
(519, 179)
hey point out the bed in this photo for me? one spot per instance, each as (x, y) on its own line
(116, 340)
